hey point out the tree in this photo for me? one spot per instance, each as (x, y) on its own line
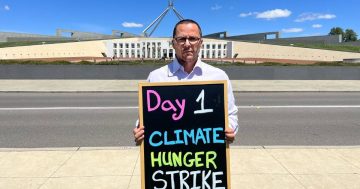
(350, 35)
(336, 31)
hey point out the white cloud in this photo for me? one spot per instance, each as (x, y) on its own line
(314, 16)
(243, 15)
(311, 34)
(272, 14)
(216, 7)
(316, 25)
(132, 25)
(7, 7)
(292, 30)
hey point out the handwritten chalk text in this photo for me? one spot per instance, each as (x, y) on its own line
(194, 136)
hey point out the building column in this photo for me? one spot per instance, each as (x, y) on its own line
(156, 50)
(216, 50)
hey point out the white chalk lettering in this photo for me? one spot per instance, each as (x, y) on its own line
(215, 181)
(172, 173)
(194, 173)
(159, 180)
(204, 179)
(182, 179)
(202, 110)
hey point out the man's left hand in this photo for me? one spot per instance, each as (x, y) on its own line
(229, 135)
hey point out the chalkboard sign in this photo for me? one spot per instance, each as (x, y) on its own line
(184, 144)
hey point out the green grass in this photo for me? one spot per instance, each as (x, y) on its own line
(157, 62)
(285, 64)
(339, 47)
(38, 62)
(32, 62)
(28, 43)
(346, 48)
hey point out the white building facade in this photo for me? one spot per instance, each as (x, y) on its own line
(157, 48)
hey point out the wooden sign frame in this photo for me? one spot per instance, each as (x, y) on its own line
(141, 119)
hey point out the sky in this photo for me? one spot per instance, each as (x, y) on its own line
(293, 18)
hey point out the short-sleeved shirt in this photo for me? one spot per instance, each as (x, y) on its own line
(201, 72)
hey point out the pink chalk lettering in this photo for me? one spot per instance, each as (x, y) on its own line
(170, 107)
(182, 109)
(158, 100)
(166, 105)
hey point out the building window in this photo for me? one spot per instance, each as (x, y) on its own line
(127, 45)
(171, 53)
(115, 45)
(121, 45)
(132, 53)
(219, 46)
(132, 45)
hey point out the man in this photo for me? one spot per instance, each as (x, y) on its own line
(187, 66)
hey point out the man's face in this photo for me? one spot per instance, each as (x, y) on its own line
(187, 43)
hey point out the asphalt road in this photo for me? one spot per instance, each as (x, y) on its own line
(36, 120)
(136, 72)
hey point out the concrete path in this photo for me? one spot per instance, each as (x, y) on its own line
(251, 167)
(132, 85)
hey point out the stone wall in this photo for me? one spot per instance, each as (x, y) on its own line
(71, 49)
(257, 50)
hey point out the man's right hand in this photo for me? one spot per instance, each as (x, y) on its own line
(138, 135)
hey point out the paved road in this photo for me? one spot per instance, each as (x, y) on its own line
(136, 72)
(106, 119)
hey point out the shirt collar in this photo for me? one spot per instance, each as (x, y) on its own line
(175, 66)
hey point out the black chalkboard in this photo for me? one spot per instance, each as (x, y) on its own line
(184, 144)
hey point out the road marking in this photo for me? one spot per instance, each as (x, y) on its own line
(301, 106)
(135, 107)
(70, 108)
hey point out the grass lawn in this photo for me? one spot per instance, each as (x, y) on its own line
(28, 43)
(159, 62)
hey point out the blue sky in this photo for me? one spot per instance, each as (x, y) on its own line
(291, 17)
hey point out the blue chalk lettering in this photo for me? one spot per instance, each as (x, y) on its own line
(200, 136)
(216, 135)
(190, 135)
(151, 139)
(207, 134)
(178, 139)
(166, 142)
